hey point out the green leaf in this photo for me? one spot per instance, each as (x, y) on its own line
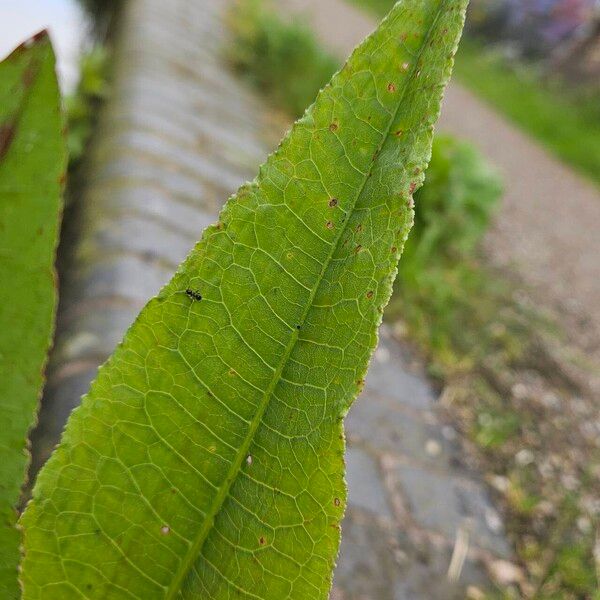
(32, 164)
(207, 459)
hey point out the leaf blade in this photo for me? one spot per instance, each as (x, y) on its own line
(32, 164)
(246, 423)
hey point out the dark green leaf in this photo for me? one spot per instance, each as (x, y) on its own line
(32, 164)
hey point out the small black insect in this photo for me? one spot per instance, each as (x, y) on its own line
(193, 295)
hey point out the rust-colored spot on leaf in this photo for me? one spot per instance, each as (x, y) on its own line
(333, 127)
(329, 225)
(28, 43)
(370, 294)
(399, 133)
(7, 134)
(337, 501)
(333, 202)
(28, 76)
(413, 187)
(262, 541)
(391, 88)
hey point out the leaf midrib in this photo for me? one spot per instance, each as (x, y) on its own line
(196, 548)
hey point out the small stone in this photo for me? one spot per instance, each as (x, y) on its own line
(382, 354)
(449, 433)
(433, 448)
(500, 483)
(584, 525)
(493, 520)
(550, 400)
(519, 391)
(545, 508)
(570, 482)
(524, 457)
(505, 572)
(474, 593)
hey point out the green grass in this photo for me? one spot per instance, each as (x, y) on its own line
(567, 124)
(565, 121)
(270, 54)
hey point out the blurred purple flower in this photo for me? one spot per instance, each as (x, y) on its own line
(553, 20)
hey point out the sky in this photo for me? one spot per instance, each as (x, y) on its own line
(64, 19)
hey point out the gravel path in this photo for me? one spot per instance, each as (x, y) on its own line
(179, 134)
(548, 224)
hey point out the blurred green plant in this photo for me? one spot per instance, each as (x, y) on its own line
(271, 53)
(102, 13)
(440, 285)
(83, 105)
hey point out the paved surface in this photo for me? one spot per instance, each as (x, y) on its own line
(179, 134)
(547, 227)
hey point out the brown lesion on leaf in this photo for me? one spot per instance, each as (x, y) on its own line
(7, 134)
(40, 36)
(28, 76)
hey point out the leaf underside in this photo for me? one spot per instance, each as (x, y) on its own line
(207, 459)
(32, 162)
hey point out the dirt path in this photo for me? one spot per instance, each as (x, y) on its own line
(548, 224)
